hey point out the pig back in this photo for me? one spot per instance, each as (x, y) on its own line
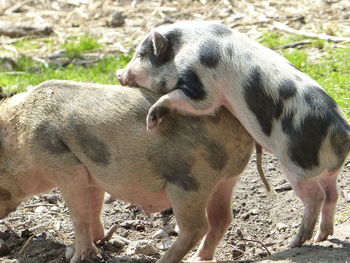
(103, 128)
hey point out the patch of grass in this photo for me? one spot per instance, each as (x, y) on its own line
(35, 73)
(75, 47)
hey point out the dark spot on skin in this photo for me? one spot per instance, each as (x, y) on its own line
(48, 136)
(174, 166)
(217, 155)
(167, 54)
(305, 142)
(287, 89)
(220, 30)
(319, 100)
(259, 102)
(340, 141)
(92, 146)
(209, 53)
(191, 85)
(5, 195)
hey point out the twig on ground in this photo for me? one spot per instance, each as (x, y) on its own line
(259, 242)
(285, 28)
(109, 234)
(294, 44)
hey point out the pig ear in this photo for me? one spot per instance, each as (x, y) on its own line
(160, 43)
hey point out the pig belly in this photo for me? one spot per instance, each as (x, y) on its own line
(151, 202)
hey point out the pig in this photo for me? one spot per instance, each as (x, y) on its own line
(200, 66)
(88, 139)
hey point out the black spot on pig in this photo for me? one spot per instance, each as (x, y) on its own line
(48, 136)
(209, 53)
(92, 146)
(175, 39)
(5, 195)
(319, 100)
(305, 139)
(191, 85)
(259, 102)
(287, 89)
(174, 166)
(217, 155)
(167, 54)
(220, 30)
(340, 141)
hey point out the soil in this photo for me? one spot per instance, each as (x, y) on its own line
(40, 229)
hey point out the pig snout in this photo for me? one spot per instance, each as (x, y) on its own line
(121, 75)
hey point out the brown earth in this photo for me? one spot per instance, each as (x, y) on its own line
(40, 229)
(270, 224)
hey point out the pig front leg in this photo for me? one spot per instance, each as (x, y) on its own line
(178, 100)
(219, 215)
(74, 185)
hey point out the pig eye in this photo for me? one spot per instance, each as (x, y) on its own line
(142, 53)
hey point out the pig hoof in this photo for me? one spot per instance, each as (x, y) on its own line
(155, 116)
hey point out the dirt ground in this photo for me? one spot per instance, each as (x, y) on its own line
(40, 229)
(261, 225)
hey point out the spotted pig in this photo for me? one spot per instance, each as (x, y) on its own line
(88, 139)
(201, 66)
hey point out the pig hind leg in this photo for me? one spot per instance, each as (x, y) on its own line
(96, 202)
(312, 195)
(328, 182)
(219, 216)
(189, 210)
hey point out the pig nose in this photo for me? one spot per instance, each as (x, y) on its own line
(119, 74)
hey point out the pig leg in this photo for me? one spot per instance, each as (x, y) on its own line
(189, 210)
(219, 215)
(177, 100)
(312, 195)
(74, 186)
(329, 185)
(96, 201)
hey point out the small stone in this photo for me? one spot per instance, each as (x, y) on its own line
(255, 211)
(26, 233)
(41, 209)
(166, 244)
(143, 247)
(4, 249)
(108, 199)
(69, 252)
(346, 195)
(281, 227)
(55, 209)
(118, 19)
(245, 216)
(117, 243)
(159, 234)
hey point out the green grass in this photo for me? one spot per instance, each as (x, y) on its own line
(75, 47)
(35, 73)
(332, 70)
